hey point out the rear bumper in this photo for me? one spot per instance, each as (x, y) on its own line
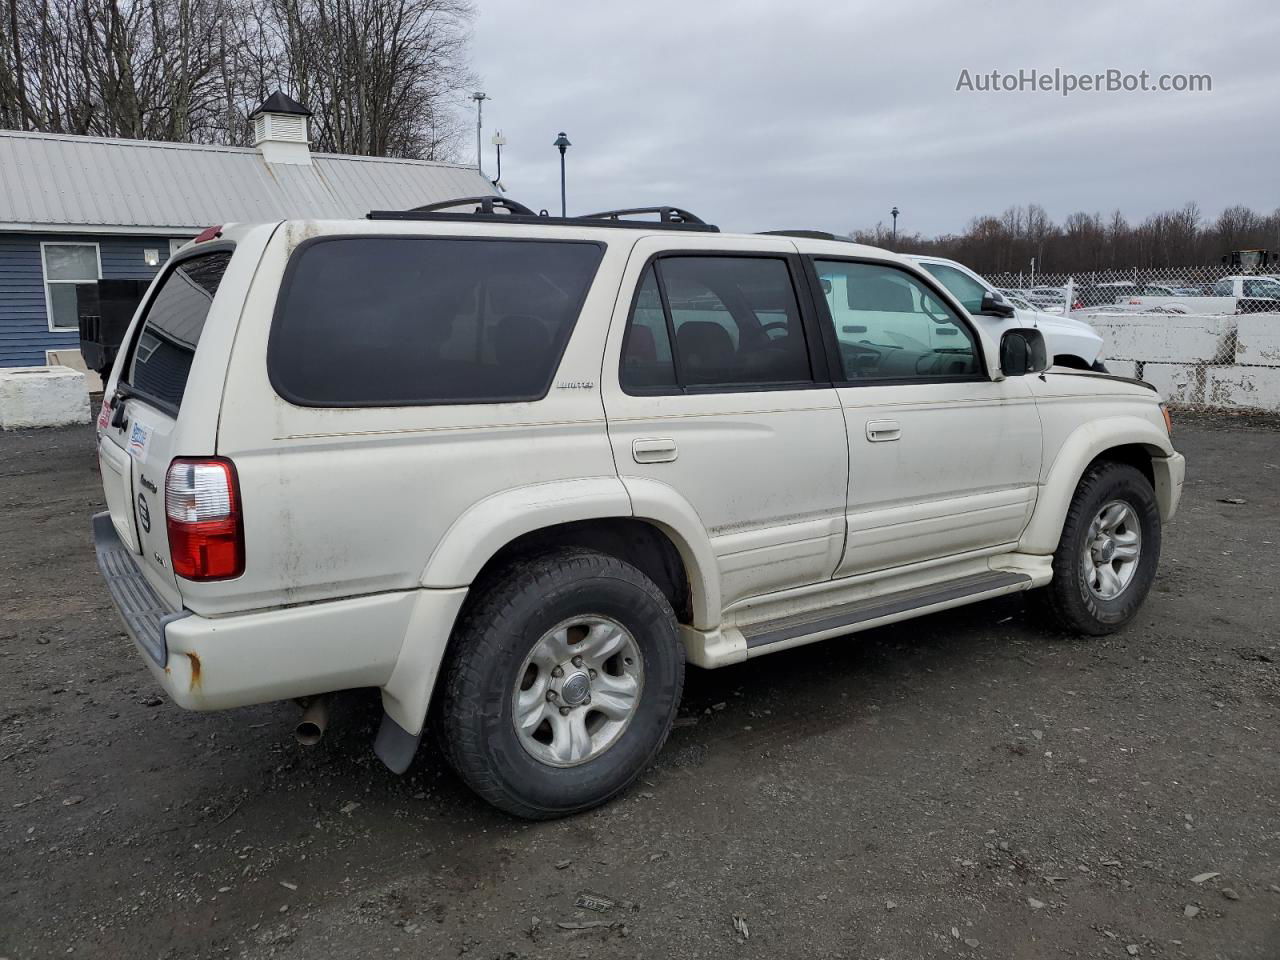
(212, 663)
(145, 614)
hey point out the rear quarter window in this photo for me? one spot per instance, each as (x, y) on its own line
(395, 321)
(175, 318)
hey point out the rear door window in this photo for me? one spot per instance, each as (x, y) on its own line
(395, 321)
(736, 324)
(166, 344)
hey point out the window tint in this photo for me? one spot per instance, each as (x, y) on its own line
(175, 319)
(890, 326)
(646, 355)
(736, 322)
(367, 321)
(960, 285)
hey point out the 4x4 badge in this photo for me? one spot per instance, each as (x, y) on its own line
(144, 513)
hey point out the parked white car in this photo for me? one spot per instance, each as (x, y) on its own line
(520, 470)
(1072, 343)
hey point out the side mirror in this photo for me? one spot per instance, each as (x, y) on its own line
(1023, 351)
(994, 305)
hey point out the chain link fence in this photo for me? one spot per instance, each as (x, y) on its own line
(1208, 337)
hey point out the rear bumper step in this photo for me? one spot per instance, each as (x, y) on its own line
(144, 613)
(778, 631)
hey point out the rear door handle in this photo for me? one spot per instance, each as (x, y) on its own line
(878, 431)
(653, 450)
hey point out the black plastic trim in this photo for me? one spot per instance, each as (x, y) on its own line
(770, 632)
(1099, 375)
(286, 284)
(538, 221)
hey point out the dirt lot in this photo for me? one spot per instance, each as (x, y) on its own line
(968, 785)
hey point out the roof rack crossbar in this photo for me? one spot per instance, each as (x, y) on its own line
(485, 205)
(666, 214)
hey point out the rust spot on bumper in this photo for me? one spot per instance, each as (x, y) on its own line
(195, 671)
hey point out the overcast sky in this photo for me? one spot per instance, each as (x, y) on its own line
(760, 114)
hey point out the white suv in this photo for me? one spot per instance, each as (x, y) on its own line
(521, 469)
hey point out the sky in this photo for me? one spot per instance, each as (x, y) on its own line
(764, 114)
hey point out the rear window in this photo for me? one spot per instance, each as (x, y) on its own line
(391, 321)
(166, 344)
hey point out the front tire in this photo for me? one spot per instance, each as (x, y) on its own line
(1110, 548)
(562, 683)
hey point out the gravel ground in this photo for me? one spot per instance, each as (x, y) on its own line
(966, 785)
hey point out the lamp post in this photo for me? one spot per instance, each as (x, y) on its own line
(562, 143)
(498, 141)
(894, 214)
(479, 97)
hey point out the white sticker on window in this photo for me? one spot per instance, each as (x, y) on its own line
(139, 441)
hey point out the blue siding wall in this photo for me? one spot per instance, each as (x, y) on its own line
(24, 325)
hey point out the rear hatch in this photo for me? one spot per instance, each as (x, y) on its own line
(138, 427)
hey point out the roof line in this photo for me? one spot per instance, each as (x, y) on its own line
(213, 148)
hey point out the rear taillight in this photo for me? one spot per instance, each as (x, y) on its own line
(202, 510)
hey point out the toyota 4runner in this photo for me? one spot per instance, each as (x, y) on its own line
(519, 470)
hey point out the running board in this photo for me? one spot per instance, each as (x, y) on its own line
(850, 615)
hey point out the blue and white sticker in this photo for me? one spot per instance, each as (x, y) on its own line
(139, 441)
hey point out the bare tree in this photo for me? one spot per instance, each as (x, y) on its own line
(383, 77)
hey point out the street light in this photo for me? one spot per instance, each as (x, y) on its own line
(499, 141)
(894, 213)
(479, 97)
(562, 143)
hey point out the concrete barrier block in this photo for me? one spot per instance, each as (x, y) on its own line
(1258, 340)
(1177, 382)
(1121, 368)
(1164, 337)
(42, 397)
(1249, 387)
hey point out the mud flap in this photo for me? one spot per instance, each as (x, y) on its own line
(394, 745)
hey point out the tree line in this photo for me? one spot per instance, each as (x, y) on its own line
(382, 77)
(1087, 242)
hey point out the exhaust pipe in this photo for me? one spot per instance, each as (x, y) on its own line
(313, 722)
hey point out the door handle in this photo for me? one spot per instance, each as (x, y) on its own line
(878, 431)
(657, 450)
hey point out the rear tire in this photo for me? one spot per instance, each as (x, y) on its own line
(1110, 548)
(541, 744)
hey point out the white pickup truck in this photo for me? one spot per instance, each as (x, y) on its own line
(1230, 295)
(513, 472)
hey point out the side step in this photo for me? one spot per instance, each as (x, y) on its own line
(852, 614)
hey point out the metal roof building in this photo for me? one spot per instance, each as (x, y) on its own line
(74, 210)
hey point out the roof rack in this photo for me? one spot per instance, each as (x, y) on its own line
(484, 205)
(805, 234)
(665, 215)
(488, 207)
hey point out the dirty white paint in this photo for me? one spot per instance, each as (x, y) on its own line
(1165, 338)
(1258, 340)
(1252, 387)
(42, 397)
